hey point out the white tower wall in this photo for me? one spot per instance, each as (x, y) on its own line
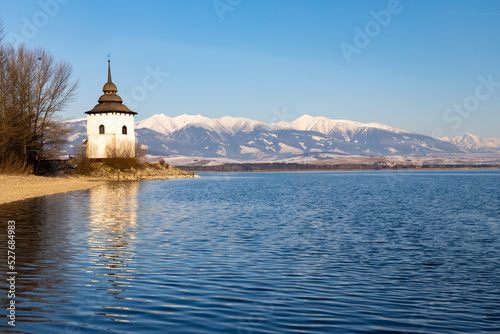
(98, 145)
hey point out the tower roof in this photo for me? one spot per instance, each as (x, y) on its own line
(110, 101)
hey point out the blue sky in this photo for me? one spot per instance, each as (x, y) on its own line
(426, 66)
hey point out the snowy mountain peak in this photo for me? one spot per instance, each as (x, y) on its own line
(237, 124)
(164, 124)
(327, 126)
(470, 136)
(472, 142)
(309, 123)
(74, 120)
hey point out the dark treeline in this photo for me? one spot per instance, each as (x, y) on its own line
(289, 167)
(34, 87)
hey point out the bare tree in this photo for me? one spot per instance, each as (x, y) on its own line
(34, 87)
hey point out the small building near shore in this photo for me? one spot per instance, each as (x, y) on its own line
(110, 126)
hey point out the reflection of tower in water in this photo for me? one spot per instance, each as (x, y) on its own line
(114, 205)
(112, 229)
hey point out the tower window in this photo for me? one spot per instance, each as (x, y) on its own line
(101, 129)
(124, 130)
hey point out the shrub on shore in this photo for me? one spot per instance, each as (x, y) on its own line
(13, 165)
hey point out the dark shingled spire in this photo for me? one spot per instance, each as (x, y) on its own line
(109, 87)
(110, 101)
(109, 70)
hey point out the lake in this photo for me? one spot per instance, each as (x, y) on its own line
(319, 252)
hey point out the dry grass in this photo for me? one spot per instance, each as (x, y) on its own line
(84, 165)
(13, 165)
(122, 157)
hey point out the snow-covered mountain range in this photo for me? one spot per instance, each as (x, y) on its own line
(307, 136)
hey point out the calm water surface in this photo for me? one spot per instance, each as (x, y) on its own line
(354, 252)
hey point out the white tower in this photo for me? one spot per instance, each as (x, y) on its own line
(110, 126)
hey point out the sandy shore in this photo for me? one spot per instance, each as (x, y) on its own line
(16, 188)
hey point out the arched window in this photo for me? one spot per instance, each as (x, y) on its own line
(124, 130)
(101, 129)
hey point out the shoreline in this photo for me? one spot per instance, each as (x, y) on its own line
(15, 188)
